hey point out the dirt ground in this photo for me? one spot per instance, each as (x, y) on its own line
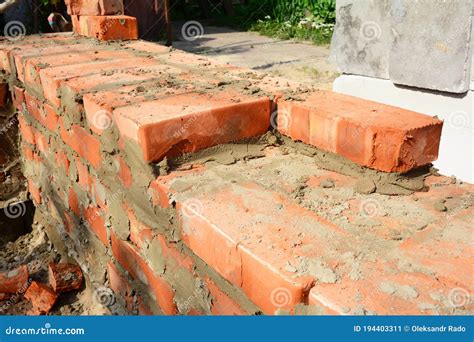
(297, 61)
(36, 251)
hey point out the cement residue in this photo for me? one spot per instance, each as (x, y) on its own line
(319, 269)
(370, 180)
(228, 154)
(406, 292)
(287, 172)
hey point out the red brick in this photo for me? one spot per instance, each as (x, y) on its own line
(150, 47)
(41, 141)
(85, 179)
(108, 7)
(96, 221)
(158, 192)
(118, 27)
(5, 296)
(95, 7)
(65, 277)
(139, 232)
(76, 25)
(124, 172)
(5, 64)
(10, 53)
(160, 189)
(170, 251)
(41, 297)
(222, 304)
(73, 202)
(18, 95)
(4, 94)
(86, 145)
(190, 122)
(21, 55)
(28, 152)
(34, 65)
(62, 161)
(53, 78)
(81, 7)
(14, 281)
(26, 131)
(130, 259)
(120, 285)
(27, 43)
(252, 256)
(35, 191)
(33, 105)
(371, 134)
(69, 224)
(99, 105)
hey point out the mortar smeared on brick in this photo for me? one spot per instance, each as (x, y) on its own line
(195, 210)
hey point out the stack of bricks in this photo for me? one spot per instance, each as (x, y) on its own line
(102, 19)
(109, 133)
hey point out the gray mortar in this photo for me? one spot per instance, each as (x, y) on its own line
(385, 183)
(237, 154)
(262, 171)
(117, 217)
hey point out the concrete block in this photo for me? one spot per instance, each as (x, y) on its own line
(456, 154)
(431, 44)
(361, 40)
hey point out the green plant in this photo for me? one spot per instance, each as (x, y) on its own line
(295, 10)
(311, 20)
(50, 2)
(301, 19)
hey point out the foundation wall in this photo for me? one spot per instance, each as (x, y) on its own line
(108, 137)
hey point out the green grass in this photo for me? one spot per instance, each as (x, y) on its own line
(309, 20)
(285, 30)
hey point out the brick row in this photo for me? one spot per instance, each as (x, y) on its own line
(371, 134)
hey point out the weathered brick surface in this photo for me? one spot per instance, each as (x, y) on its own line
(371, 134)
(118, 27)
(41, 297)
(65, 277)
(130, 259)
(14, 281)
(95, 7)
(191, 122)
(151, 162)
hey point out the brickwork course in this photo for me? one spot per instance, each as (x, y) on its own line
(185, 186)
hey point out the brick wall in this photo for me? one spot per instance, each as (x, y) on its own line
(109, 133)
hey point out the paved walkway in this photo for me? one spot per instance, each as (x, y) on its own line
(303, 62)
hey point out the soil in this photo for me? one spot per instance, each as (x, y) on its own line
(36, 251)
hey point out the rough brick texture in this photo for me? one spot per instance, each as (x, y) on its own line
(42, 298)
(14, 281)
(118, 27)
(94, 7)
(167, 173)
(371, 134)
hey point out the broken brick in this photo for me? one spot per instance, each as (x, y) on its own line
(14, 281)
(42, 297)
(65, 277)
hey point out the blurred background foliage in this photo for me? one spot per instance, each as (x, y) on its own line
(311, 20)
